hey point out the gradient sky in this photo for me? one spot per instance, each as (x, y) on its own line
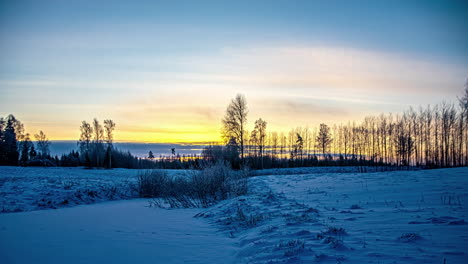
(165, 71)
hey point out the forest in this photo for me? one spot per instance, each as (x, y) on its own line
(427, 137)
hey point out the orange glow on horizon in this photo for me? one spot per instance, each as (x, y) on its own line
(204, 131)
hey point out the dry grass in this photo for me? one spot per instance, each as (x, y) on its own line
(200, 188)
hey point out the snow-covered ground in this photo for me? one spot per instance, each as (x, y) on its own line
(311, 170)
(35, 188)
(113, 232)
(390, 217)
(383, 217)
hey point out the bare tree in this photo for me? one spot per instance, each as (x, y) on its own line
(324, 139)
(463, 101)
(259, 137)
(85, 141)
(43, 144)
(282, 144)
(109, 127)
(234, 122)
(274, 143)
(436, 136)
(97, 142)
(404, 146)
(253, 142)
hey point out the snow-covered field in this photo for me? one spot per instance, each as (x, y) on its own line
(36, 188)
(312, 170)
(113, 232)
(392, 217)
(316, 216)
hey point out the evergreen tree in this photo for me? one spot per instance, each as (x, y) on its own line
(32, 152)
(9, 154)
(299, 146)
(25, 146)
(2, 141)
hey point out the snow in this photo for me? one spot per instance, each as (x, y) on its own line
(291, 216)
(385, 217)
(113, 232)
(35, 188)
(309, 170)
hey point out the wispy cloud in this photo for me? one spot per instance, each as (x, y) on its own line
(287, 85)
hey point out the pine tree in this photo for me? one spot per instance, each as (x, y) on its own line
(9, 154)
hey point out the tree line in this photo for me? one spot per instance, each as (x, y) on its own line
(429, 137)
(16, 147)
(94, 148)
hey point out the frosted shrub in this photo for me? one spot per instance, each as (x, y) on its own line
(201, 188)
(218, 182)
(152, 183)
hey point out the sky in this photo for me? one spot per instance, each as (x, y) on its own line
(165, 71)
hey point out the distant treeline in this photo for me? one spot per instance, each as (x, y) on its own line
(429, 137)
(95, 148)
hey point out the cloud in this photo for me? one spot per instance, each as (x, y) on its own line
(286, 85)
(334, 68)
(326, 72)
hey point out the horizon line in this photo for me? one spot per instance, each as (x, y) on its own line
(147, 142)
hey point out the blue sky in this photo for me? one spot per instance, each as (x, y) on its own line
(165, 70)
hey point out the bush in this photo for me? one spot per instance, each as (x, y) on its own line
(200, 188)
(152, 183)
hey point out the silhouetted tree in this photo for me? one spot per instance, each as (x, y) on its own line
(260, 135)
(85, 142)
(9, 154)
(26, 146)
(299, 146)
(98, 138)
(109, 127)
(404, 148)
(232, 153)
(464, 121)
(324, 139)
(70, 160)
(234, 122)
(32, 152)
(43, 144)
